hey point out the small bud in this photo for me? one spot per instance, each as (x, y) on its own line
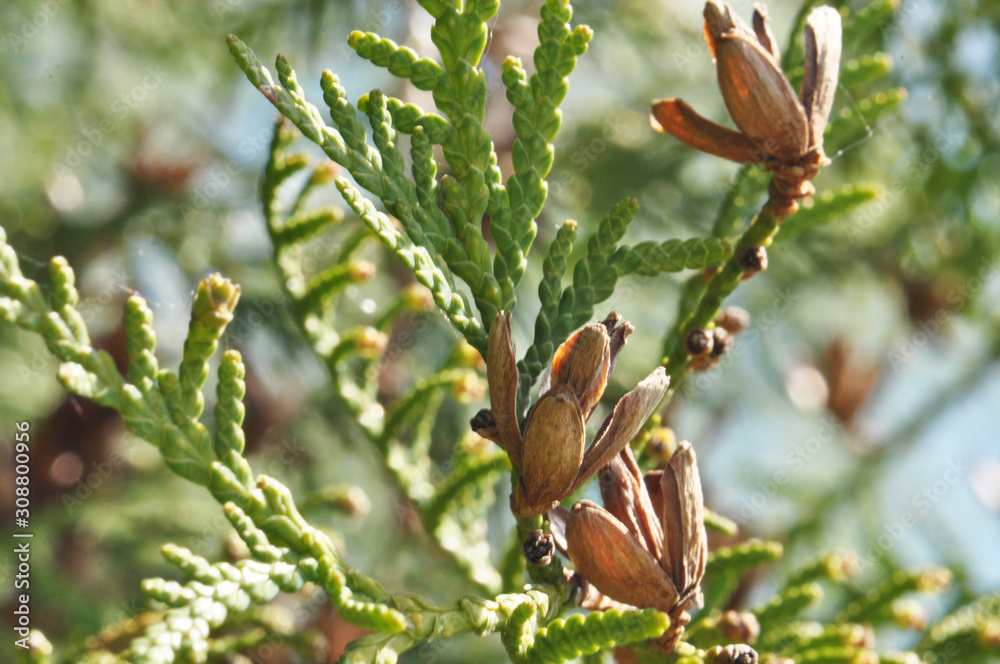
(721, 343)
(739, 626)
(370, 341)
(733, 654)
(698, 342)
(215, 300)
(866, 657)
(538, 548)
(843, 566)
(909, 614)
(484, 424)
(752, 259)
(733, 319)
(467, 356)
(662, 444)
(361, 271)
(863, 637)
(351, 500)
(989, 635)
(934, 580)
(903, 658)
(325, 172)
(468, 387)
(269, 92)
(418, 297)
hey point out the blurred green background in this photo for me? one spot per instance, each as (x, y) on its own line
(859, 411)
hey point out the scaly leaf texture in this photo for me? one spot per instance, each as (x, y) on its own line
(403, 434)
(549, 294)
(875, 606)
(460, 33)
(785, 606)
(967, 634)
(456, 513)
(837, 567)
(417, 259)
(459, 89)
(853, 123)
(401, 61)
(152, 410)
(565, 639)
(347, 146)
(826, 208)
(287, 550)
(649, 259)
(216, 592)
(802, 636)
(537, 119)
(594, 279)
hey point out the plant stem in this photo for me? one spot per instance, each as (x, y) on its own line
(709, 301)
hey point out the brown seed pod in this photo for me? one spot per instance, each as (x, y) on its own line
(612, 559)
(775, 126)
(756, 92)
(553, 452)
(582, 363)
(550, 451)
(501, 372)
(686, 544)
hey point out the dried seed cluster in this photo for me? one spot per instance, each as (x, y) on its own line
(548, 447)
(706, 347)
(647, 546)
(778, 128)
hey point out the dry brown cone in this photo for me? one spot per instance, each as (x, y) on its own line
(776, 127)
(644, 548)
(548, 448)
